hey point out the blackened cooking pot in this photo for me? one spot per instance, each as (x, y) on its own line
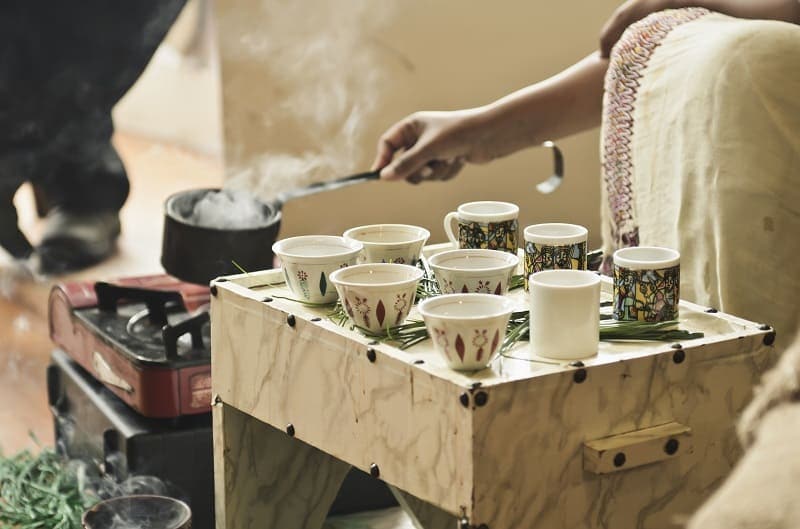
(198, 254)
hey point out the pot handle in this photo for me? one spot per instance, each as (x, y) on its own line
(450, 219)
(318, 187)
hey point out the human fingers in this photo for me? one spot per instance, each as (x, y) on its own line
(419, 176)
(453, 168)
(437, 170)
(408, 164)
(401, 135)
(612, 30)
(628, 13)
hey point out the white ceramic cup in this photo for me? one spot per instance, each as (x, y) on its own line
(309, 260)
(389, 243)
(565, 314)
(487, 224)
(466, 329)
(472, 270)
(377, 296)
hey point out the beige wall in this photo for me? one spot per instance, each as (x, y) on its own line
(397, 57)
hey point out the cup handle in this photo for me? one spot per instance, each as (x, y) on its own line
(448, 226)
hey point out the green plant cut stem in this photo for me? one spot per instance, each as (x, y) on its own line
(242, 270)
(39, 491)
(307, 303)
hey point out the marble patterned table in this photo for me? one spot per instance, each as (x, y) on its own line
(635, 437)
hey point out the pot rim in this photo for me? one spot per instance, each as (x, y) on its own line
(171, 213)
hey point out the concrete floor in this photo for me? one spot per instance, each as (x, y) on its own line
(156, 170)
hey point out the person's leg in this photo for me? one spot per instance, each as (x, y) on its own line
(11, 238)
(95, 51)
(84, 186)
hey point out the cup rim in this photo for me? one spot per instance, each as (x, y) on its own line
(510, 260)
(335, 276)
(424, 234)
(348, 247)
(185, 510)
(574, 233)
(511, 213)
(660, 257)
(503, 305)
(548, 278)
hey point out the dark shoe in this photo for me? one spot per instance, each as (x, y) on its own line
(12, 240)
(73, 241)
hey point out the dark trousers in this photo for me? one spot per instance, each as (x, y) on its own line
(63, 66)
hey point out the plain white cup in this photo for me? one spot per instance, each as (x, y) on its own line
(565, 314)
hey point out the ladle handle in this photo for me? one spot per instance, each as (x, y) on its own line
(318, 187)
(557, 178)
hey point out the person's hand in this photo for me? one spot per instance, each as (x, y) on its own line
(429, 146)
(629, 12)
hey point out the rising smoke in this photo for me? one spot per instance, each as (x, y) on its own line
(325, 76)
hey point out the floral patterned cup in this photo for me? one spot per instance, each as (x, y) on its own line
(477, 271)
(646, 283)
(377, 296)
(466, 329)
(309, 260)
(488, 225)
(554, 246)
(389, 243)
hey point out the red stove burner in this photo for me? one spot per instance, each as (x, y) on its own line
(146, 339)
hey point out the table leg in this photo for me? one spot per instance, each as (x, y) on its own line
(265, 478)
(423, 514)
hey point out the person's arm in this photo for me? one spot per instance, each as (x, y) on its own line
(634, 10)
(434, 145)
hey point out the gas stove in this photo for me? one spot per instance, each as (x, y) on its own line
(145, 338)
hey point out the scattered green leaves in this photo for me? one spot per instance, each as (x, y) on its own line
(665, 331)
(39, 491)
(413, 331)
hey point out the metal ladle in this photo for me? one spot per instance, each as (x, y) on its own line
(557, 178)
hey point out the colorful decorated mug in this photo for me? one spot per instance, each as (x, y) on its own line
(646, 284)
(554, 246)
(488, 225)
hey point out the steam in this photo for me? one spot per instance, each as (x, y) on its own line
(326, 73)
(227, 209)
(126, 513)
